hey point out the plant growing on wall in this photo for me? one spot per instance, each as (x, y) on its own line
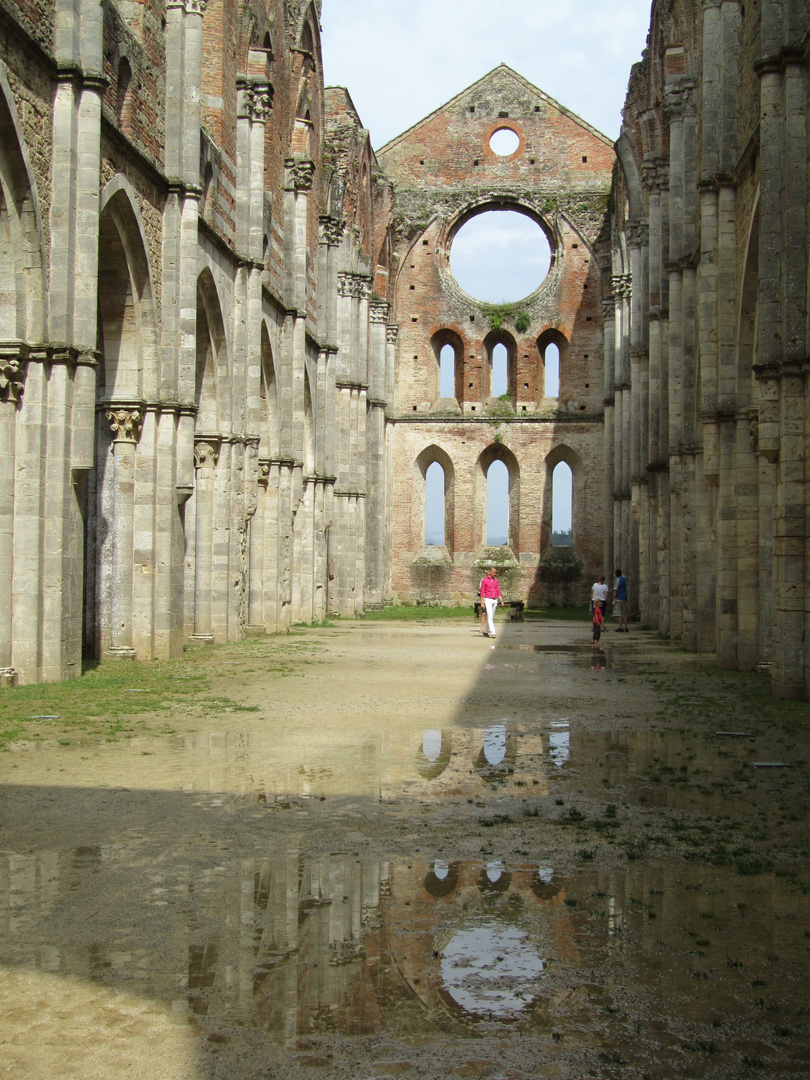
(498, 314)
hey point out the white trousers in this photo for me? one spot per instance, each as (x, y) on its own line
(490, 603)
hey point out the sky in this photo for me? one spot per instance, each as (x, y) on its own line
(402, 59)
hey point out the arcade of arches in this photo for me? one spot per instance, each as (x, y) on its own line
(235, 357)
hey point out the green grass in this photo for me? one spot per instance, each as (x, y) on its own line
(409, 611)
(578, 614)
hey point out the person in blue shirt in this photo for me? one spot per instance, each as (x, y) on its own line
(620, 602)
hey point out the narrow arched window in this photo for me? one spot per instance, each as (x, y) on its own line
(552, 366)
(434, 505)
(562, 502)
(447, 372)
(499, 369)
(123, 103)
(497, 504)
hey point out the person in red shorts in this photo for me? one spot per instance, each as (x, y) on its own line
(598, 621)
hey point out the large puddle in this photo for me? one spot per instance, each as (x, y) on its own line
(664, 970)
(511, 879)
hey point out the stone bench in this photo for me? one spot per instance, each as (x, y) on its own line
(516, 613)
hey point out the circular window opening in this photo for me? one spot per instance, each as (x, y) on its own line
(504, 142)
(500, 256)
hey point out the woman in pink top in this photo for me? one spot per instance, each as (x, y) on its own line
(490, 593)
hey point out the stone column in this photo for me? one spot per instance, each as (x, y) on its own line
(375, 456)
(609, 378)
(13, 362)
(206, 457)
(125, 424)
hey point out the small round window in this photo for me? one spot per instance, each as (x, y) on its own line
(504, 142)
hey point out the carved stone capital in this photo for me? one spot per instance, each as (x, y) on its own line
(264, 472)
(378, 311)
(608, 308)
(354, 285)
(391, 333)
(254, 100)
(191, 7)
(300, 174)
(206, 452)
(13, 367)
(680, 100)
(125, 423)
(332, 230)
(622, 286)
(638, 233)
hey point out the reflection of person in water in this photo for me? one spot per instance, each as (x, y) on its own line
(490, 593)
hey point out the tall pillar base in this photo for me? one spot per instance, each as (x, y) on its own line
(121, 652)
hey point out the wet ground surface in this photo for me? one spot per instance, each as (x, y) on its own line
(384, 850)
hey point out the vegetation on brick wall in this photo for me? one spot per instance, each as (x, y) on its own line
(498, 314)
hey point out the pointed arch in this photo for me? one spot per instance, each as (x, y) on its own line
(496, 452)
(127, 316)
(551, 336)
(210, 384)
(270, 425)
(447, 339)
(505, 339)
(309, 428)
(434, 454)
(563, 454)
(22, 251)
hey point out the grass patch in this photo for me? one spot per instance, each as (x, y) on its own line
(575, 614)
(409, 612)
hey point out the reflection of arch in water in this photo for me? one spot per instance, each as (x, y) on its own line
(494, 878)
(432, 760)
(543, 884)
(498, 754)
(441, 879)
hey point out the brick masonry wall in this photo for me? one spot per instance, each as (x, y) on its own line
(445, 173)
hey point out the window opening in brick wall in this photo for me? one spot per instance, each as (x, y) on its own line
(504, 142)
(552, 366)
(500, 256)
(123, 104)
(497, 504)
(434, 504)
(500, 359)
(447, 372)
(562, 502)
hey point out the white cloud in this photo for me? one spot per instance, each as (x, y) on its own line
(400, 61)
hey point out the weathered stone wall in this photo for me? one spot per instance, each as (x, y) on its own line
(707, 381)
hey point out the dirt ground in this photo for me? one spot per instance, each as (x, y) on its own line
(386, 849)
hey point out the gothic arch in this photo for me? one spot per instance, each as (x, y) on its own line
(428, 456)
(269, 432)
(22, 278)
(496, 452)
(309, 428)
(550, 336)
(443, 337)
(502, 337)
(127, 317)
(211, 389)
(563, 453)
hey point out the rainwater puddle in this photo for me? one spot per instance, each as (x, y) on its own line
(670, 971)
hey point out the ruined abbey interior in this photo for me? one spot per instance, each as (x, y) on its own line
(224, 318)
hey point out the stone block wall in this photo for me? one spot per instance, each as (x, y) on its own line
(706, 426)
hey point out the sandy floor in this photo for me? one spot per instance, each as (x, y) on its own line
(383, 850)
